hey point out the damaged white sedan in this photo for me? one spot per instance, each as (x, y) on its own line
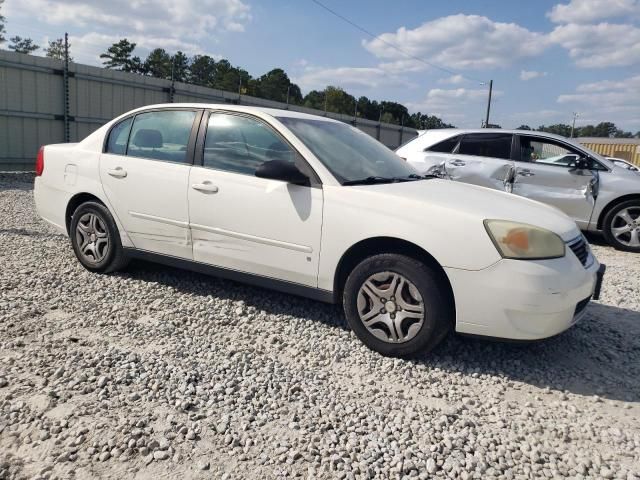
(314, 207)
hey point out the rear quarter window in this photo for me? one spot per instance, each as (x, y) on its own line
(118, 137)
(445, 146)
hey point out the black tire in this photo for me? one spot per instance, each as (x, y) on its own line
(115, 257)
(438, 316)
(609, 223)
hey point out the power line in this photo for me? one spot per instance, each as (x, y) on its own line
(395, 47)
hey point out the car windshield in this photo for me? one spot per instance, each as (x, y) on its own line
(352, 156)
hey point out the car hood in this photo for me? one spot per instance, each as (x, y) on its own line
(471, 202)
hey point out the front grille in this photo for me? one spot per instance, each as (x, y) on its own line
(581, 250)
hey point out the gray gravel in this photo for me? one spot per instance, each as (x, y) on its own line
(161, 373)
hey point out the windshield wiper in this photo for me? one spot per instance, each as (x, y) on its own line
(376, 179)
(369, 181)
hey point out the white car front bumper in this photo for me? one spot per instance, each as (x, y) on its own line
(523, 300)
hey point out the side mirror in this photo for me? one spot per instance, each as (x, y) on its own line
(580, 164)
(281, 170)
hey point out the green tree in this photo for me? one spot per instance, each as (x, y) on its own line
(428, 122)
(56, 50)
(339, 101)
(399, 113)
(118, 57)
(368, 109)
(180, 67)
(314, 99)
(158, 64)
(23, 45)
(558, 129)
(275, 84)
(524, 127)
(202, 70)
(2, 29)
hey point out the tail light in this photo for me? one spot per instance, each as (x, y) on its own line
(40, 162)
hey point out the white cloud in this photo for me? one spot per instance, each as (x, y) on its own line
(190, 19)
(456, 105)
(588, 11)
(452, 80)
(599, 46)
(458, 41)
(608, 100)
(346, 77)
(531, 74)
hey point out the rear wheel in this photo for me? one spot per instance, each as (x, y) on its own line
(622, 226)
(397, 305)
(95, 238)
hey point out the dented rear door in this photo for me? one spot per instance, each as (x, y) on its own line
(483, 159)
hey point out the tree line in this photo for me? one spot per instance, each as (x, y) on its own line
(603, 129)
(276, 85)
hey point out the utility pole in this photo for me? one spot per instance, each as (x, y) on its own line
(325, 102)
(67, 135)
(288, 90)
(173, 83)
(573, 125)
(486, 122)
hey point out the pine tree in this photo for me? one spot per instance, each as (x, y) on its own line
(56, 50)
(23, 45)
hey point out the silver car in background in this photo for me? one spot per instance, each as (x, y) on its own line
(621, 162)
(600, 195)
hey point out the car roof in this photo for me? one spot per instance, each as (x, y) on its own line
(273, 112)
(449, 132)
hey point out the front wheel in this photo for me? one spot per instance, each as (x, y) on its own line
(95, 238)
(622, 226)
(397, 306)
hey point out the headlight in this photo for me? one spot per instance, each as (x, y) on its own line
(523, 241)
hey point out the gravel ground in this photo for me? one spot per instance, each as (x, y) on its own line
(160, 373)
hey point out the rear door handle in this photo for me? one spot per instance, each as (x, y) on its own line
(526, 173)
(117, 172)
(206, 187)
(457, 163)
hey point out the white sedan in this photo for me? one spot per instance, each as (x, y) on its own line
(314, 207)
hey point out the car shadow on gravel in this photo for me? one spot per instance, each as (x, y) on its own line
(598, 357)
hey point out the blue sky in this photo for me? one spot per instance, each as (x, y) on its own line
(548, 58)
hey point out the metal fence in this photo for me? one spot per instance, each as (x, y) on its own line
(40, 105)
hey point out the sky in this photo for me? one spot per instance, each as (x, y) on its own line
(547, 58)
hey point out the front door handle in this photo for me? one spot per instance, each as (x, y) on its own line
(526, 173)
(206, 187)
(117, 172)
(458, 163)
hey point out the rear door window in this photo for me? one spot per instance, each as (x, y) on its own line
(161, 135)
(496, 145)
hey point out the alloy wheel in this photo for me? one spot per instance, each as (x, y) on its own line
(92, 238)
(626, 226)
(390, 307)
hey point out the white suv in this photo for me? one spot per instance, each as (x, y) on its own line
(315, 207)
(599, 194)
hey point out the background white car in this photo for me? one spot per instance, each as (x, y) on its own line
(315, 207)
(624, 164)
(598, 194)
